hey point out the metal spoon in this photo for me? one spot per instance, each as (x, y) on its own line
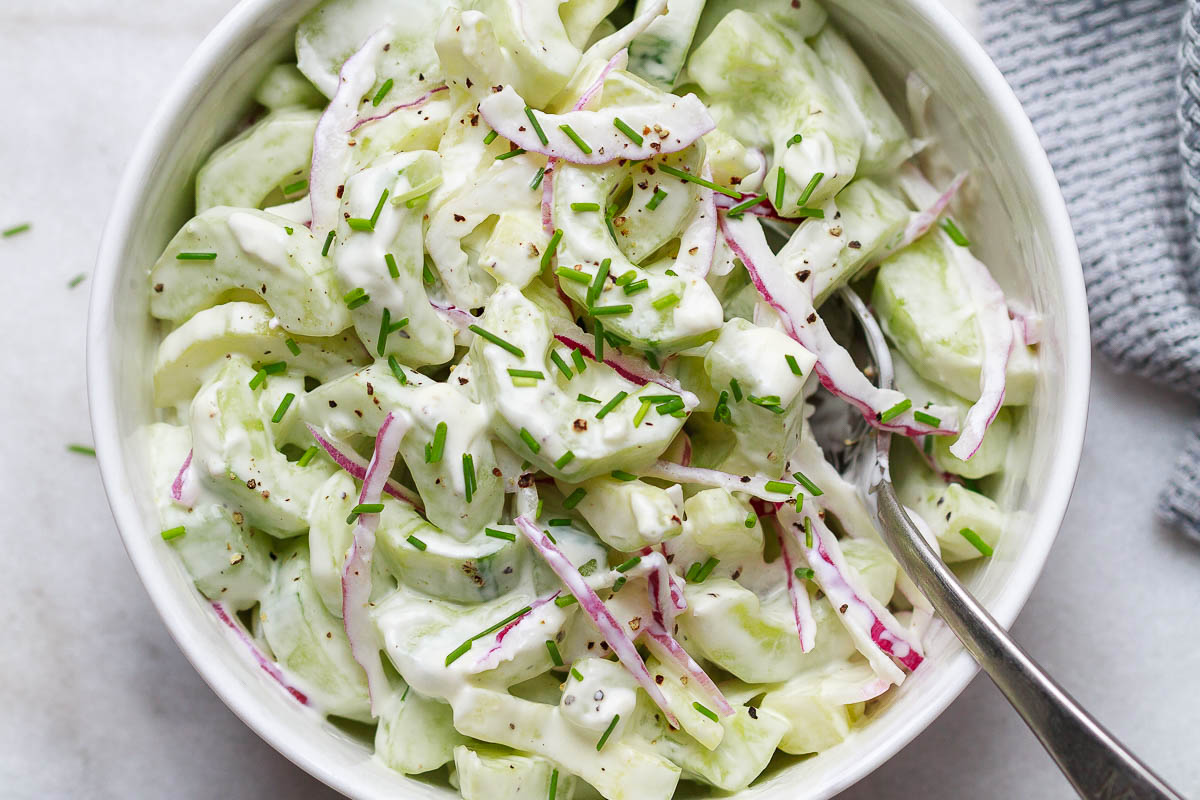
(1096, 764)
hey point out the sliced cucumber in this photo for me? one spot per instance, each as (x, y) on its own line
(626, 515)
(285, 86)
(658, 53)
(494, 773)
(416, 734)
(271, 155)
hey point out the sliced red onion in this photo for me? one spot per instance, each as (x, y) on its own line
(928, 216)
(615, 42)
(755, 485)
(267, 665)
(618, 61)
(873, 627)
(762, 208)
(996, 339)
(331, 145)
(184, 489)
(666, 127)
(595, 608)
(856, 689)
(685, 458)
(548, 196)
(1028, 322)
(356, 573)
(352, 463)
(417, 103)
(461, 320)
(698, 242)
(491, 659)
(631, 369)
(806, 624)
(835, 367)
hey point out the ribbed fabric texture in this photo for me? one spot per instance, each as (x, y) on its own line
(1113, 89)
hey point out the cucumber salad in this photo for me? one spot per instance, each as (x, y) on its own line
(486, 392)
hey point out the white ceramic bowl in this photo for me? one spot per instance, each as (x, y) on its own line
(1019, 227)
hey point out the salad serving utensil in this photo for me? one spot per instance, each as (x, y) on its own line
(1092, 759)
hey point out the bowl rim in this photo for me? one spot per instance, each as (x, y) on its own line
(245, 703)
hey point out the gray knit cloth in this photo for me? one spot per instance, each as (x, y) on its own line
(1113, 88)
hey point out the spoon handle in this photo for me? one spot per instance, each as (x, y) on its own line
(1095, 763)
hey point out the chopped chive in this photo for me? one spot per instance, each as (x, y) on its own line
(491, 137)
(598, 331)
(308, 456)
(292, 346)
(608, 732)
(625, 278)
(793, 365)
(574, 137)
(803, 480)
(536, 374)
(559, 522)
(259, 379)
(652, 360)
(706, 711)
(575, 673)
(797, 139)
(555, 238)
(641, 412)
(82, 449)
(465, 646)
(283, 407)
(672, 406)
(433, 453)
(779, 487)
(954, 233)
(397, 370)
(564, 459)
(666, 301)
(693, 571)
(586, 398)
(597, 284)
(751, 518)
(328, 241)
(295, 188)
(611, 311)
(555, 656)
(805, 573)
(24, 226)
(588, 567)
(383, 92)
(537, 179)
(537, 126)
(810, 188)
(576, 275)
(577, 360)
(378, 208)
(189, 256)
(707, 569)
(622, 475)
(672, 273)
(561, 364)
(566, 600)
(367, 508)
(624, 128)
(392, 269)
(519, 151)
(427, 272)
(808, 534)
(611, 404)
(745, 204)
(574, 498)
(770, 403)
(636, 286)
(927, 445)
(976, 541)
(895, 411)
(815, 213)
(417, 543)
(687, 176)
(78, 279)
(630, 564)
(529, 441)
(549, 535)
(495, 534)
(585, 206)
(289, 230)
(928, 419)
(496, 340)
(780, 188)
(737, 389)
(618, 583)
(355, 298)
(173, 533)
(275, 368)
(360, 224)
(468, 468)
(721, 413)
(656, 199)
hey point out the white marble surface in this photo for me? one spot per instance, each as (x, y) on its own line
(97, 702)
